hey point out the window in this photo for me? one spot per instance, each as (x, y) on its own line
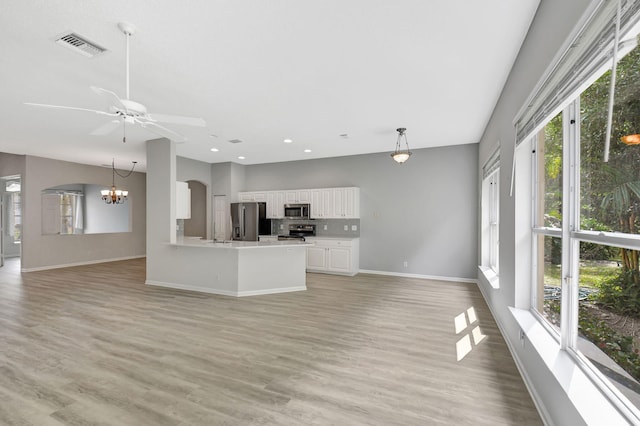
(62, 213)
(547, 220)
(586, 229)
(491, 215)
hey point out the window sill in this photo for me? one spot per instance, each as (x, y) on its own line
(588, 399)
(490, 276)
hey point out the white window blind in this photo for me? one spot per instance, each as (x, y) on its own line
(492, 164)
(584, 57)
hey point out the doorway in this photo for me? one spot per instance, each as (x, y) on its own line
(10, 219)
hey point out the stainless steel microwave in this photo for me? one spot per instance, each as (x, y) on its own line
(296, 211)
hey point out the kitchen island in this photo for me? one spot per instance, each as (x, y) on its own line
(235, 268)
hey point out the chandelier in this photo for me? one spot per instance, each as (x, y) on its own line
(401, 155)
(113, 195)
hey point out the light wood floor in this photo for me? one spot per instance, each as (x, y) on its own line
(95, 345)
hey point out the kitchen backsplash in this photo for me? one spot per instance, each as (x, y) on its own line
(334, 227)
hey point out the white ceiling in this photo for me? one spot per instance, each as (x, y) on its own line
(259, 71)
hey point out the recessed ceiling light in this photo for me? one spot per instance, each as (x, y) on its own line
(240, 157)
(344, 135)
(214, 150)
(287, 140)
(213, 136)
(307, 150)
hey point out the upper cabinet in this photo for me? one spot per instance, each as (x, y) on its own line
(322, 203)
(183, 201)
(326, 203)
(335, 203)
(346, 203)
(257, 196)
(298, 196)
(275, 204)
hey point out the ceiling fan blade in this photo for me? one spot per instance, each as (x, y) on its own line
(161, 130)
(177, 119)
(107, 128)
(72, 108)
(101, 91)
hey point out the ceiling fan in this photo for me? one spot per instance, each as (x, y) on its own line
(130, 112)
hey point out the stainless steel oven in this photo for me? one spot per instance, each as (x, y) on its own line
(296, 211)
(299, 232)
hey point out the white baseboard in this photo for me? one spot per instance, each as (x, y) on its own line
(224, 292)
(89, 262)
(425, 277)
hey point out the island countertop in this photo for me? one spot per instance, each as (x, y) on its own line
(198, 242)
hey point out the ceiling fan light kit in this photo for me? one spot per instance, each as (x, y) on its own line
(129, 111)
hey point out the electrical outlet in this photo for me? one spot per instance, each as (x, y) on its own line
(325, 227)
(281, 226)
(346, 227)
(406, 264)
(522, 337)
(354, 227)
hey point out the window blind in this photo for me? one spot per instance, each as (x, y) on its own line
(492, 164)
(585, 56)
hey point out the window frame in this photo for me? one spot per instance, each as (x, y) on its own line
(571, 236)
(490, 219)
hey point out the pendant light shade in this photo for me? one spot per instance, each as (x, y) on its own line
(401, 155)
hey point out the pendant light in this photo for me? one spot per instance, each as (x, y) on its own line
(116, 196)
(401, 155)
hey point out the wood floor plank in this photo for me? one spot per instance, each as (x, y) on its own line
(87, 346)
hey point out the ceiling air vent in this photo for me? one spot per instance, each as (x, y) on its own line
(80, 44)
(235, 141)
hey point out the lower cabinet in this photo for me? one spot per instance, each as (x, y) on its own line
(333, 256)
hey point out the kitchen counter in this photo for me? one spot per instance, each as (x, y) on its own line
(234, 268)
(322, 237)
(198, 242)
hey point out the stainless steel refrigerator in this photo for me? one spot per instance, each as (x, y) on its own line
(249, 220)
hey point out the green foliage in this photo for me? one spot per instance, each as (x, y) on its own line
(618, 347)
(620, 293)
(610, 191)
(591, 251)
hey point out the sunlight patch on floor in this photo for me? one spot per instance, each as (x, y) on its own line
(462, 322)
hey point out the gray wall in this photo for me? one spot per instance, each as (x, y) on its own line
(194, 170)
(41, 251)
(196, 226)
(423, 212)
(551, 26)
(101, 217)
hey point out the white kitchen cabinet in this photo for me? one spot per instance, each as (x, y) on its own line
(326, 203)
(316, 258)
(257, 196)
(346, 203)
(321, 203)
(183, 201)
(275, 204)
(334, 256)
(300, 196)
